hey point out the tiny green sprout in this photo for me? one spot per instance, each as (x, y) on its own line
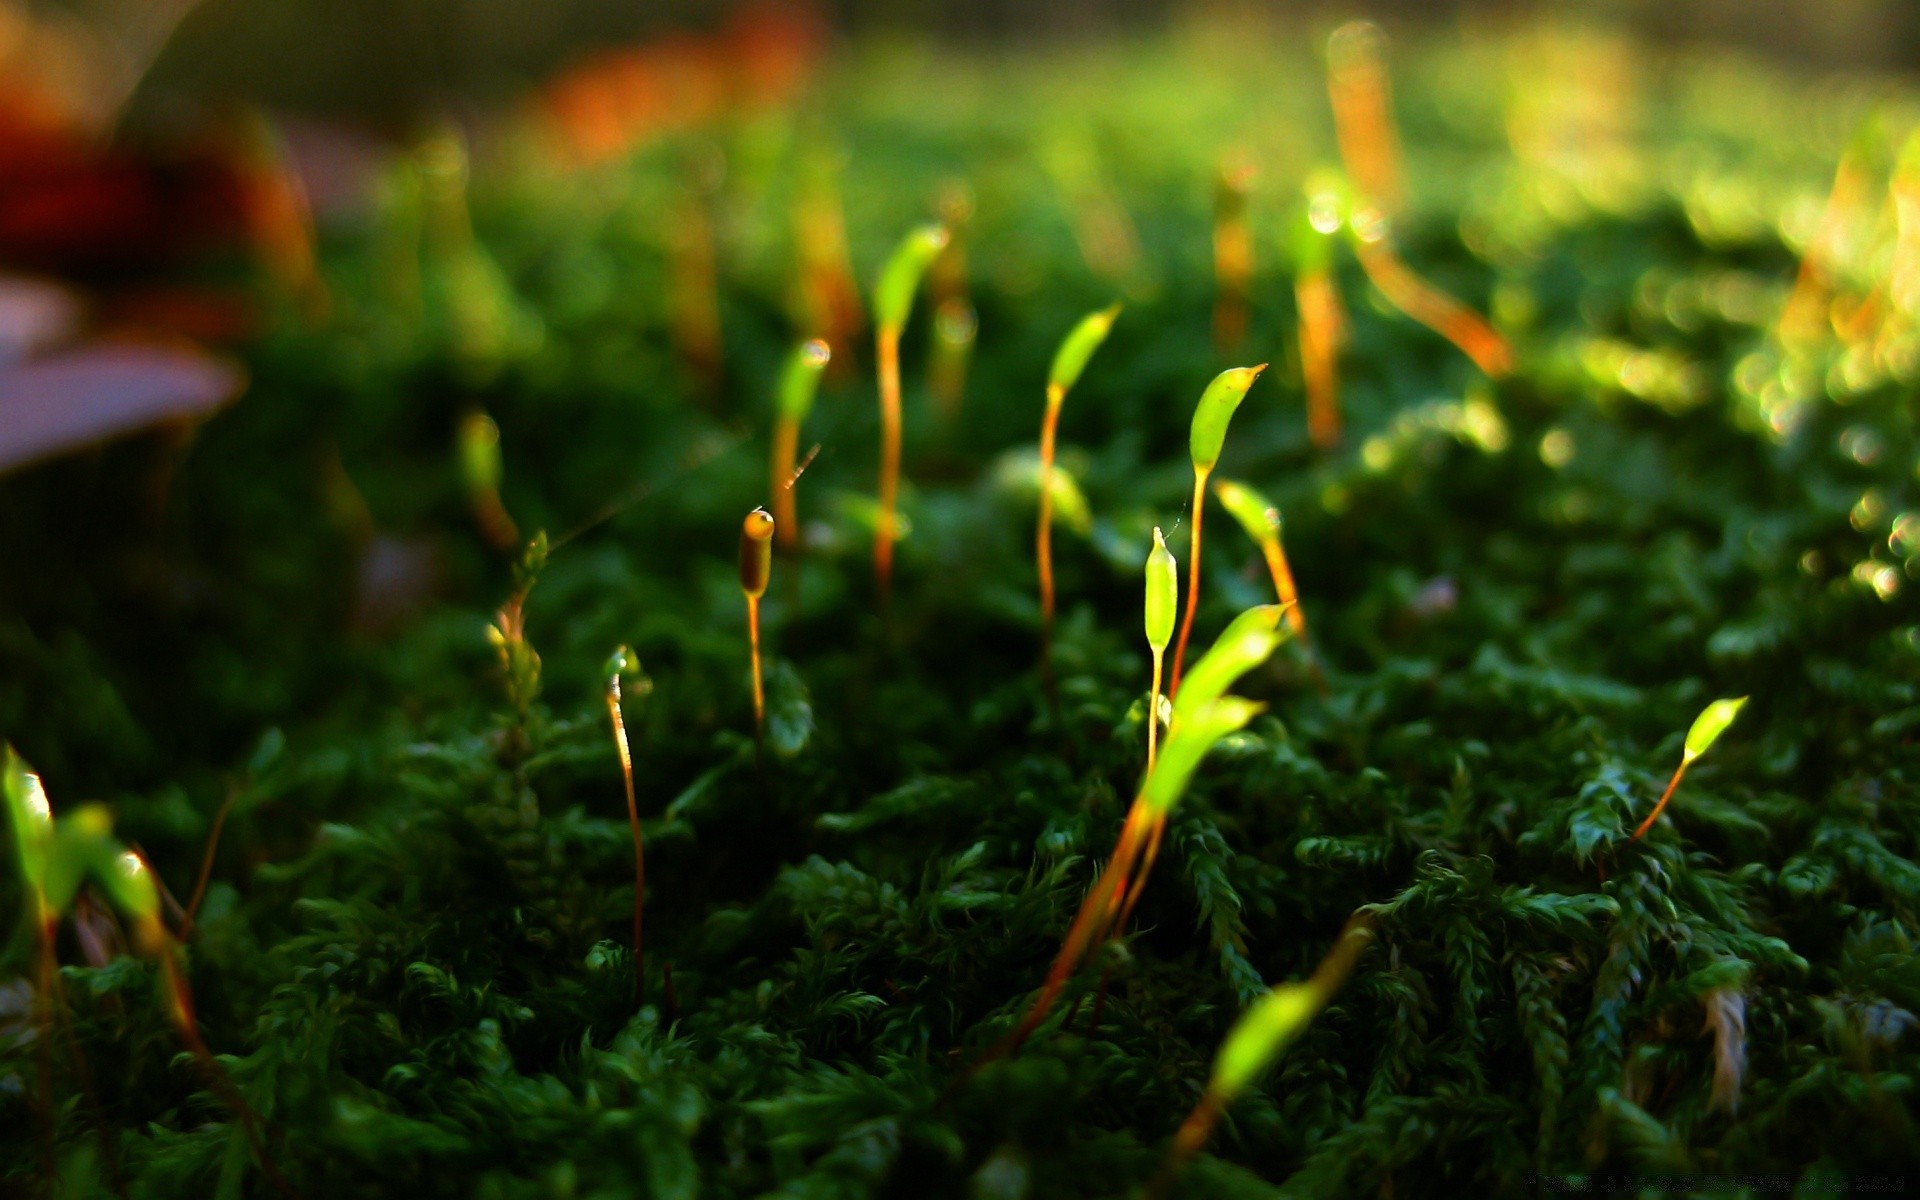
(1163, 599)
(1261, 519)
(756, 569)
(892, 302)
(619, 663)
(1259, 1037)
(799, 381)
(481, 470)
(1206, 440)
(1076, 349)
(1705, 730)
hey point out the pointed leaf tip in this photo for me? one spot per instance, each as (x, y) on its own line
(1710, 724)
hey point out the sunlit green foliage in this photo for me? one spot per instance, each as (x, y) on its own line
(414, 952)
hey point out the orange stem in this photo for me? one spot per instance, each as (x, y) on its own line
(759, 688)
(1665, 796)
(1433, 308)
(887, 345)
(639, 844)
(1320, 332)
(206, 863)
(1193, 578)
(786, 445)
(1139, 883)
(1043, 542)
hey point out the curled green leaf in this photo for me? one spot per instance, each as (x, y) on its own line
(900, 278)
(1078, 347)
(1163, 592)
(1215, 410)
(1710, 724)
(800, 379)
(1194, 734)
(1247, 642)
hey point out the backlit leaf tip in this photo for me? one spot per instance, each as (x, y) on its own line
(1163, 592)
(1215, 410)
(1710, 724)
(1247, 642)
(1078, 347)
(1279, 1018)
(29, 814)
(801, 379)
(900, 278)
(1256, 514)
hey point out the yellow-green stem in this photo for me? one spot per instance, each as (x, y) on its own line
(887, 345)
(625, 752)
(1193, 578)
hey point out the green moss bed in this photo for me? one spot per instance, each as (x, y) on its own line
(413, 955)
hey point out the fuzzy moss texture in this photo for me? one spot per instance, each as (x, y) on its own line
(413, 954)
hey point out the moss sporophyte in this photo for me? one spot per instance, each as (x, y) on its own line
(1202, 715)
(1261, 519)
(1206, 439)
(799, 381)
(1075, 350)
(1705, 730)
(892, 304)
(56, 859)
(1370, 148)
(620, 663)
(1162, 601)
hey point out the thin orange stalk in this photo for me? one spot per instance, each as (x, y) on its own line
(1672, 785)
(1089, 926)
(1157, 835)
(1433, 308)
(786, 448)
(1321, 329)
(625, 752)
(206, 863)
(1043, 538)
(887, 348)
(1282, 574)
(1193, 578)
(1358, 86)
(759, 689)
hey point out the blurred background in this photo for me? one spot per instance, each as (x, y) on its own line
(385, 62)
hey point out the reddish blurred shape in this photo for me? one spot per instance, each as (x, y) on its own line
(612, 101)
(73, 398)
